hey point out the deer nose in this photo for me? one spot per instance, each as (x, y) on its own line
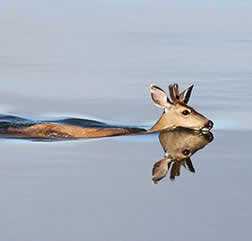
(209, 136)
(209, 125)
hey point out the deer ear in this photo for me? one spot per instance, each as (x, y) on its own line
(189, 165)
(160, 170)
(185, 95)
(159, 97)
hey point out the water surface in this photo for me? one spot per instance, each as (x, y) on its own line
(101, 66)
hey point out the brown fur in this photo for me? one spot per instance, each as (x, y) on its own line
(49, 130)
(171, 118)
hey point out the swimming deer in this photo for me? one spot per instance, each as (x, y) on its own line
(179, 145)
(176, 114)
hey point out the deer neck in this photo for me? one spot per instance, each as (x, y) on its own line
(163, 123)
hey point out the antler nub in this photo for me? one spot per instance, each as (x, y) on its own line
(182, 97)
(176, 90)
(171, 91)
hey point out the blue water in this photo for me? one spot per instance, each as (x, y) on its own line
(82, 60)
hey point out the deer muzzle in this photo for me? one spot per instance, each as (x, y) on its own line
(208, 126)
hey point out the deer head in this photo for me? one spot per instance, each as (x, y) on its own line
(179, 145)
(176, 111)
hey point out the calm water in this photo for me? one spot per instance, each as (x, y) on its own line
(101, 65)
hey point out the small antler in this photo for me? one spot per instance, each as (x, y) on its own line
(171, 90)
(176, 90)
(182, 97)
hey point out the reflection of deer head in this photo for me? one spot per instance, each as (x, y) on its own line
(179, 145)
(176, 112)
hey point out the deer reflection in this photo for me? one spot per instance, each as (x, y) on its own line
(179, 145)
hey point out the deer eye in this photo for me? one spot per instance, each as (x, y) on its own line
(186, 152)
(185, 112)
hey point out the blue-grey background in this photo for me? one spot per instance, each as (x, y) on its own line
(97, 59)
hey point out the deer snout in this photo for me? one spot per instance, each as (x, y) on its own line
(209, 136)
(209, 125)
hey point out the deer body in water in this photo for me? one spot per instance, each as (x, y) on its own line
(176, 114)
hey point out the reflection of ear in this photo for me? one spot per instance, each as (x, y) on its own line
(189, 165)
(160, 170)
(159, 97)
(185, 95)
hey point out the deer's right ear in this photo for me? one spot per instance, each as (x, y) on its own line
(159, 97)
(185, 95)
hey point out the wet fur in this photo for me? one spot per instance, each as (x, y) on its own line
(66, 128)
(79, 128)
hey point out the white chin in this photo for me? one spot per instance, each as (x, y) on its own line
(205, 129)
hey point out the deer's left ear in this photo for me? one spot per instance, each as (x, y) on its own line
(189, 165)
(185, 95)
(159, 97)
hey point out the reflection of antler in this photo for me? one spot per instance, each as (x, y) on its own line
(161, 168)
(175, 170)
(179, 146)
